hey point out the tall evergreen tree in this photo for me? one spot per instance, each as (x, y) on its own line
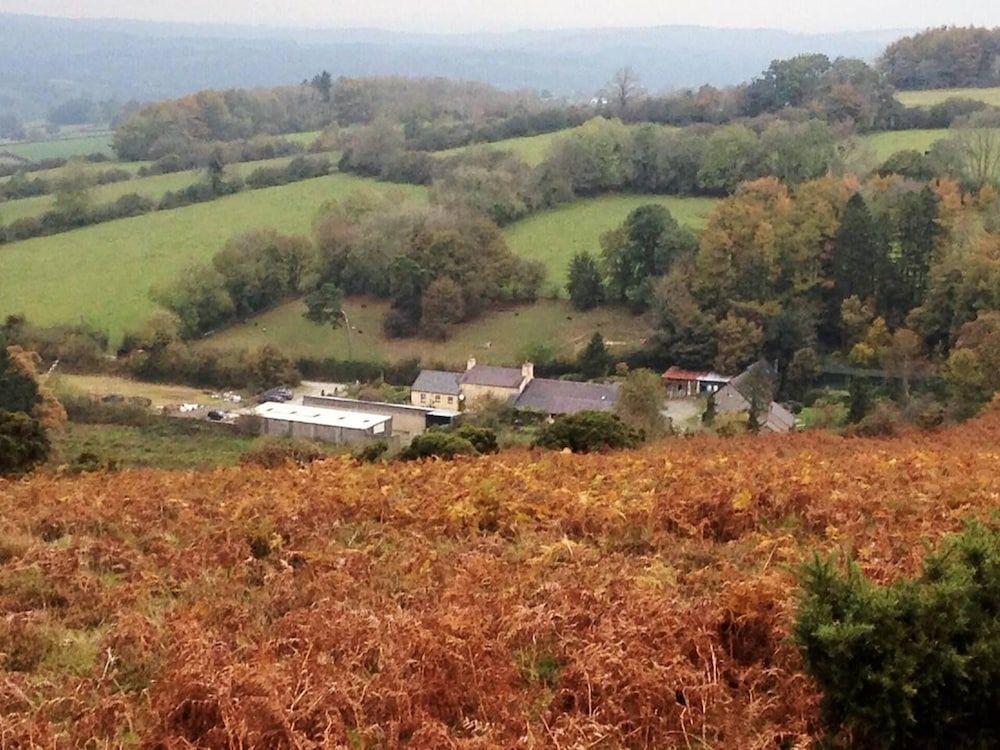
(595, 360)
(917, 233)
(860, 253)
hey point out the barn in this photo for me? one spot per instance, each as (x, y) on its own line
(326, 425)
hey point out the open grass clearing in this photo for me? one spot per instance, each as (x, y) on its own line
(61, 148)
(887, 143)
(531, 149)
(555, 236)
(498, 337)
(102, 274)
(154, 187)
(164, 444)
(161, 394)
(930, 97)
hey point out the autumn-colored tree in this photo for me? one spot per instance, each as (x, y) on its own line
(739, 343)
(640, 403)
(443, 306)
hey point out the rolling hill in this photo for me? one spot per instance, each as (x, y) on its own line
(102, 274)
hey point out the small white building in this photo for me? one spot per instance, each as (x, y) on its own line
(326, 425)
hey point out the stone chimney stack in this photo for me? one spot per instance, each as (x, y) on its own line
(471, 363)
(527, 373)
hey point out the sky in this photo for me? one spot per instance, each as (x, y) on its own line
(491, 15)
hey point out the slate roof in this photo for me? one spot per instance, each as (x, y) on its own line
(742, 382)
(438, 381)
(567, 397)
(491, 375)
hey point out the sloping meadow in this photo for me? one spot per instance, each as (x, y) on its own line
(530, 599)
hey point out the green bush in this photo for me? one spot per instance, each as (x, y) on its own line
(439, 444)
(369, 453)
(23, 443)
(482, 438)
(588, 431)
(274, 452)
(915, 664)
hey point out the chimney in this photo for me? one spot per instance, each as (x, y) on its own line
(527, 373)
(471, 363)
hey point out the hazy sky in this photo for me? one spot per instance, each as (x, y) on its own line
(475, 15)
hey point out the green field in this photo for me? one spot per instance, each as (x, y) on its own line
(154, 186)
(930, 97)
(61, 148)
(555, 236)
(531, 149)
(499, 337)
(102, 274)
(889, 142)
(164, 444)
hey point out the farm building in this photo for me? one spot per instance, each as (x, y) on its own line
(555, 397)
(407, 421)
(326, 425)
(681, 383)
(437, 388)
(760, 382)
(489, 381)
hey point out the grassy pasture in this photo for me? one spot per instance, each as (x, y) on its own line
(930, 97)
(531, 149)
(61, 148)
(102, 274)
(555, 236)
(887, 143)
(154, 186)
(164, 444)
(499, 337)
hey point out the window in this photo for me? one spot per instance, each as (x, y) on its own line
(451, 399)
(423, 397)
(437, 397)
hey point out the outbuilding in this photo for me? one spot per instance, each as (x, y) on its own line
(326, 425)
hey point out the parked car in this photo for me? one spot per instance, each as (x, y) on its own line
(216, 416)
(280, 395)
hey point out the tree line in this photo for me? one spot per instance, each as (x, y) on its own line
(946, 57)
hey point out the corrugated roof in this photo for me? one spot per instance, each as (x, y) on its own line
(438, 381)
(567, 397)
(491, 375)
(352, 420)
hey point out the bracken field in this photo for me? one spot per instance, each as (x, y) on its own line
(636, 599)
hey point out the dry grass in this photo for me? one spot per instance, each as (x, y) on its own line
(638, 599)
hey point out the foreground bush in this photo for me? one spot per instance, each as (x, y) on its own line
(915, 664)
(23, 443)
(274, 452)
(439, 444)
(482, 438)
(586, 432)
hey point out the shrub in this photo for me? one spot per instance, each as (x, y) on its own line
(274, 452)
(883, 421)
(23, 645)
(588, 431)
(439, 444)
(483, 439)
(371, 452)
(23, 443)
(912, 664)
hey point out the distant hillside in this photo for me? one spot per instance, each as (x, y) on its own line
(47, 61)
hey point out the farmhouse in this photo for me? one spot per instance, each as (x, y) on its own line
(758, 382)
(515, 386)
(555, 397)
(488, 381)
(437, 388)
(327, 425)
